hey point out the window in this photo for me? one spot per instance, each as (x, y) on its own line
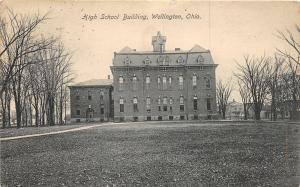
(135, 104)
(102, 109)
(171, 118)
(134, 82)
(181, 82)
(121, 105)
(77, 97)
(158, 82)
(148, 82)
(89, 95)
(165, 102)
(194, 81)
(195, 103)
(121, 83)
(78, 112)
(148, 118)
(159, 103)
(164, 82)
(171, 101)
(148, 103)
(208, 104)
(181, 117)
(207, 82)
(170, 82)
(181, 103)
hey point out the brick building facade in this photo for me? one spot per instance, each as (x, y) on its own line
(163, 85)
(91, 101)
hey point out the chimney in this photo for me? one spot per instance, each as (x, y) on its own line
(108, 76)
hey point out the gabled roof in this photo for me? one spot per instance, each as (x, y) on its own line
(94, 82)
(126, 50)
(198, 48)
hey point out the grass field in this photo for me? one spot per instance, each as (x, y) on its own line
(153, 154)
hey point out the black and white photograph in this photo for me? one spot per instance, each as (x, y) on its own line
(149, 93)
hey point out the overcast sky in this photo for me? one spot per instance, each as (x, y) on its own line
(229, 29)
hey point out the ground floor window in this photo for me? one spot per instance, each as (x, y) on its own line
(121, 118)
(208, 103)
(195, 117)
(148, 118)
(181, 108)
(159, 118)
(102, 110)
(135, 118)
(165, 108)
(170, 117)
(181, 117)
(77, 120)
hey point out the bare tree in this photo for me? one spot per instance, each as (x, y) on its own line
(223, 93)
(273, 84)
(293, 42)
(246, 97)
(254, 74)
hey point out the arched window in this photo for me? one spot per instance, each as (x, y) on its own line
(121, 83)
(171, 101)
(181, 82)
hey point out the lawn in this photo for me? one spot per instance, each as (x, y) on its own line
(153, 154)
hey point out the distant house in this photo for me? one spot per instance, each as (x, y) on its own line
(234, 110)
(91, 101)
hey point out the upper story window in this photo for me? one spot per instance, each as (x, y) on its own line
(200, 59)
(170, 81)
(121, 83)
(180, 60)
(148, 82)
(89, 95)
(194, 80)
(159, 103)
(135, 104)
(171, 101)
(181, 82)
(208, 82)
(164, 82)
(121, 105)
(158, 82)
(134, 82)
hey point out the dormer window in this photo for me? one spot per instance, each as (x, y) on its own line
(200, 59)
(127, 61)
(180, 60)
(147, 60)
